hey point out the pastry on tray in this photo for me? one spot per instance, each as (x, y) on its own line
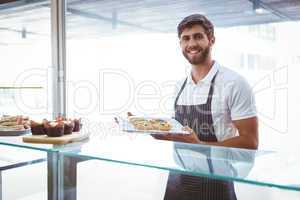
(54, 128)
(17, 118)
(159, 124)
(141, 123)
(77, 125)
(37, 128)
(12, 128)
(14, 123)
(68, 126)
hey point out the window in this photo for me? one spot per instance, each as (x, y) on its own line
(25, 80)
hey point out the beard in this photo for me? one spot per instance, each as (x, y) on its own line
(200, 58)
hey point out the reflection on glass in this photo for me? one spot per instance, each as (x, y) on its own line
(215, 161)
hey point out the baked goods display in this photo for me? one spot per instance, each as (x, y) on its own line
(69, 127)
(14, 123)
(155, 124)
(37, 127)
(77, 125)
(56, 128)
(19, 125)
(159, 124)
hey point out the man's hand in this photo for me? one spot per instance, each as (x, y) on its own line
(188, 138)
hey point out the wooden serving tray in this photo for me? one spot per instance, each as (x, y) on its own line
(44, 139)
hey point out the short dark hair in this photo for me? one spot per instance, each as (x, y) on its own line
(194, 19)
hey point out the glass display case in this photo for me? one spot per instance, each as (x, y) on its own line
(25, 49)
(139, 168)
(23, 173)
(127, 167)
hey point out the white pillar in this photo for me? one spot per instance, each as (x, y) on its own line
(58, 36)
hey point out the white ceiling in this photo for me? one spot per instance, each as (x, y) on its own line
(100, 17)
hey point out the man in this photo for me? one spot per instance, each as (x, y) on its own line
(215, 103)
(229, 119)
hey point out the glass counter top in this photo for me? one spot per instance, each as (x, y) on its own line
(20, 157)
(266, 168)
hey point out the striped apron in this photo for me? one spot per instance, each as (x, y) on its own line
(187, 187)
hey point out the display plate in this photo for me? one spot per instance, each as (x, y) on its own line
(14, 132)
(127, 126)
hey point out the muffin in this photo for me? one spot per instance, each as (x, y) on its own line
(54, 129)
(37, 128)
(77, 125)
(60, 118)
(68, 126)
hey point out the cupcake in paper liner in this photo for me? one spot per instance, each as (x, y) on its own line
(54, 128)
(77, 125)
(68, 126)
(37, 128)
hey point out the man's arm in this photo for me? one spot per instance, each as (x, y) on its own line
(248, 135)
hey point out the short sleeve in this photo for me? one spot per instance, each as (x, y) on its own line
(241, 101)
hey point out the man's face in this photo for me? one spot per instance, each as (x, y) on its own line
(195, 44)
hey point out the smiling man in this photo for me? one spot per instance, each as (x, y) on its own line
(215, 104)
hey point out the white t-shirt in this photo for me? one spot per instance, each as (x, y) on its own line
(232, 99)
